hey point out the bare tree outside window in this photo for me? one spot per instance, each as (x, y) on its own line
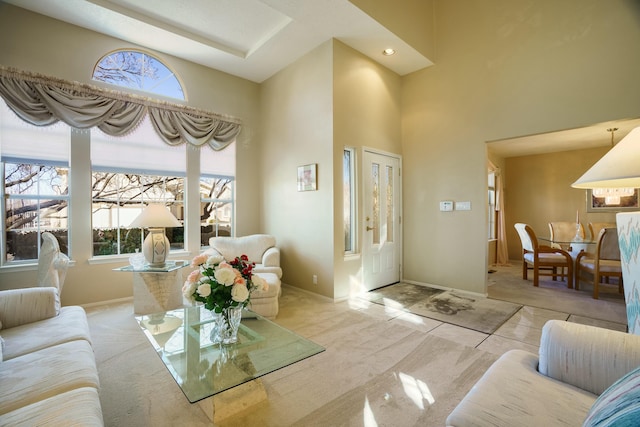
(119, 197)
(36, 200)
(138, 70)
(216, 201)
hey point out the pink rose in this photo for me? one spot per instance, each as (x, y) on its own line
(199, 260)
(193, 276)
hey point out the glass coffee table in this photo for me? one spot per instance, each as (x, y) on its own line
(212, 373)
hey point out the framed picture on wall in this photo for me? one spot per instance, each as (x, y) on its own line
(307, 177)
(596, 203)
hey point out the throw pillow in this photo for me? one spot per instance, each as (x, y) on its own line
(619, 405)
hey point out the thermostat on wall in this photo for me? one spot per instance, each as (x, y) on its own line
(446, 205)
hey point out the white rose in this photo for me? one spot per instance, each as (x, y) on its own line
(226, 276)
(260, 284)
(214, 260)
(204, 290)
(239, 293)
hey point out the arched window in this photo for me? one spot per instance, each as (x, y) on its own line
(139, 71)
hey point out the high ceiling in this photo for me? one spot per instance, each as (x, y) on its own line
(252, 39)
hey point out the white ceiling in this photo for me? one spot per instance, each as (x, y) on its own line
(565, 140)
(252, 39)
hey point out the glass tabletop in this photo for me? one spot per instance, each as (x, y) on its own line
(168, 267)
(202, 369)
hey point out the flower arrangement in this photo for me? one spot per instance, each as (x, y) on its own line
(221, 285)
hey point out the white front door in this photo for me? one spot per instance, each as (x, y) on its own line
(381, 252)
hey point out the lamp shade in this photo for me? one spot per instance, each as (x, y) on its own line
(155, 215)
(620, 167)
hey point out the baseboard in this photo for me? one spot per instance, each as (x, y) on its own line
(285, 285)
(107, 302)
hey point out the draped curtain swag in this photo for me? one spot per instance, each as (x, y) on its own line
(43, 101)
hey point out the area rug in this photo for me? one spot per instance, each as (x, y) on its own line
(477, 313)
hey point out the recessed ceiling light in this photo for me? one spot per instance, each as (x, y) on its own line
(388, 52)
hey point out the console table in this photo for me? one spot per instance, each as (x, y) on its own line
(156, 289)
(222, 379)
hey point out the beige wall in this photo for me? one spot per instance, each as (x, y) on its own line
(297, 129)
(411, 20)
(332, 98)
(366, 102)
(503, 68)
(35, 43)
(538, 190)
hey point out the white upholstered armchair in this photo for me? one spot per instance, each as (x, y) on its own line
(262, 250)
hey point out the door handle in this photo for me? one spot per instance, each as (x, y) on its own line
(369, 228)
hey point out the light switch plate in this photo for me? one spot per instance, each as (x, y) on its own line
(446, 206)
(463, 206)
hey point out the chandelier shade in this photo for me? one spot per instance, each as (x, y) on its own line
(619, 168)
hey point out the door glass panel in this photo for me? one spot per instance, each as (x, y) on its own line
(375, 209)
(389, 202)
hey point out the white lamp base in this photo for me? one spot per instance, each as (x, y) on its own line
(156, 247)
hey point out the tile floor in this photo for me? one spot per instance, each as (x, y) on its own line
(523, 330)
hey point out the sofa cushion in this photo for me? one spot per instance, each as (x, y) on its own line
(513, 393)
(46, 373)
(27, 305)
(619, 405)
(78, 407)
(587, 357)
(71, 324)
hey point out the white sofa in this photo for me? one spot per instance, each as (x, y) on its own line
(48, 374)
(576, 364)
(261, 249)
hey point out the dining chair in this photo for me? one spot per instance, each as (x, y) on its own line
(564, 231)
(603, 263)
(595, 227)
(543, 260)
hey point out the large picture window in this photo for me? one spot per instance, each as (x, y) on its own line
(35, 193)
(127, 174)
(138, 153)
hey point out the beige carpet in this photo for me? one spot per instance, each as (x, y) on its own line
(381, 367)
(375, 371)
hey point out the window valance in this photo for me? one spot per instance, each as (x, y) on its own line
(43, 101)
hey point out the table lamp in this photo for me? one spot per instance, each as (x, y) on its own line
(620, 167)
(156, 218)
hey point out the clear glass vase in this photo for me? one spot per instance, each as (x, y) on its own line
(225, 326)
